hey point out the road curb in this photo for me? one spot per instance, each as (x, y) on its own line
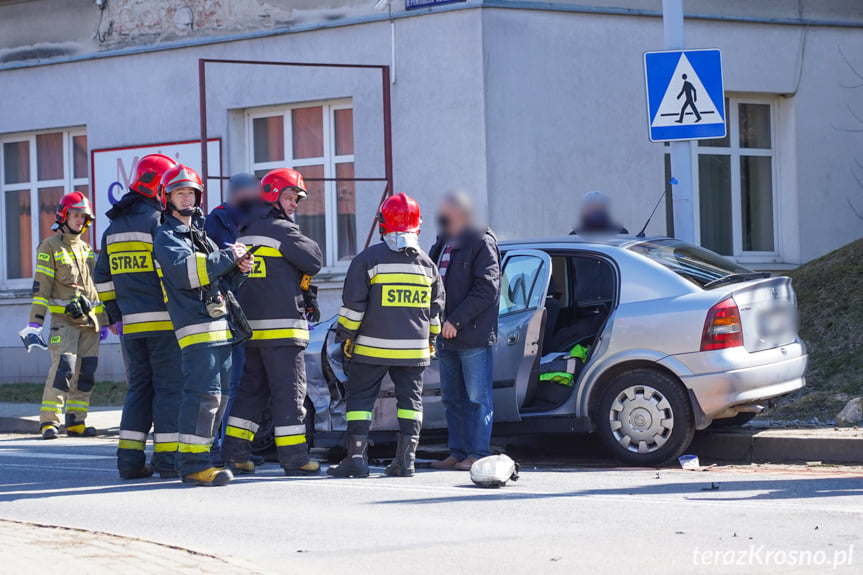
(18, 425)
(760, 447)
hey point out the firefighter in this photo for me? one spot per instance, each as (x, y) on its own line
(276, 298)
(132, 293)
(195, 276)
(392, 300)
(63, 285)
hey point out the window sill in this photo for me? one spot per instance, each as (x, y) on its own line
(15, 296)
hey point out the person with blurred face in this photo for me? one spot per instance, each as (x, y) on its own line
(469, 262)
(596, 217)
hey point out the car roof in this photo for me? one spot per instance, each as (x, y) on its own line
(621, 241)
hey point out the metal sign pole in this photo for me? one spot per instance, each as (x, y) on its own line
(681, 152)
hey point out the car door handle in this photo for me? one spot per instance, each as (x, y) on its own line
(512, 338)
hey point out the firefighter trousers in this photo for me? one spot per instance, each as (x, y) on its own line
(274, 376)
(207, 376)
(155, 388)
(75, 356)
(364, 386)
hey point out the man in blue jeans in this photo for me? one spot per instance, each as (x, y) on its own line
(469, 263)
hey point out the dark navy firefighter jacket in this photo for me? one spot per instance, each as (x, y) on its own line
(391, 309)
(190, 265)
(272, 298)
(125, 274)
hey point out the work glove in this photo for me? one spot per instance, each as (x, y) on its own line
(31, 336)
(310, 299)
(103, 333)
(348, 349)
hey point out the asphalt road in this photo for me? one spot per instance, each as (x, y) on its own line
(562, 517)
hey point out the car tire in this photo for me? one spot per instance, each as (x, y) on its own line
(645, 418)
(737, 421)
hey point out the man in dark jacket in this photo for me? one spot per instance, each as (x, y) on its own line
(222, 226)
(469, 263)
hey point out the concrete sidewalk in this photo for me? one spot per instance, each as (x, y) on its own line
(24, 418)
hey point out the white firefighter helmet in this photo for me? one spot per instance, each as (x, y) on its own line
(494, 471)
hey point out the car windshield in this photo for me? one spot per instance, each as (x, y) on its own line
(694, 263)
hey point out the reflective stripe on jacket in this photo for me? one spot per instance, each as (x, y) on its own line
(125, 271)
(188, 276)
(64, 268)
(272, 298)
(391, 307)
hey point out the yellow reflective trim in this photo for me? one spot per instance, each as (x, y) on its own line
(130, 262)
(193, 448)
(290, 440)
(434, 329)
(208, 337)
(57, 308)
(423, 353)
(131, 444)
(358, 416)
(259, 268)
(350, 324)
(40, 301)
(148, 326)
(409, 414)
(246, 434)
(99, 308)
(265, 334)
(167, 446)
(44, 257)
(413, 279)
(107, 296)
(267, 251)
(75, 402)
(201, 263)
(129, 247)
(46, 271)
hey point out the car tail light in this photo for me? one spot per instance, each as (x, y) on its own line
(722, 329)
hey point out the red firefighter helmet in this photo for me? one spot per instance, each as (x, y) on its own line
(73, 203)
(399, 213)
(148, 175)
(280, 179)
(180, 176)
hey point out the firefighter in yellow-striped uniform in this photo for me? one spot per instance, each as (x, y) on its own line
(276, 299)
(132, 293)
(63, 287)
(196, 275)
(392, 300)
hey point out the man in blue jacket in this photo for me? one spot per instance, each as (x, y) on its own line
(222, 226)
(194, 274)
(469, 263)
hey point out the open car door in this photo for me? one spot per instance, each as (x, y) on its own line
(524, 283)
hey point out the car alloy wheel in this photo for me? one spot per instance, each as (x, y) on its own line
(641, 419)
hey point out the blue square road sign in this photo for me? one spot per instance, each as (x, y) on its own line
(685, 95)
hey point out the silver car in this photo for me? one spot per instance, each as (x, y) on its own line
(673, 337)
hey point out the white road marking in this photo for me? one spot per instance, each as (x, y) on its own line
(31, 455)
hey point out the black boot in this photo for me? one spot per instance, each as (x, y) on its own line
(355, 464)
(143, 472)
(406, 450)
(78, 428)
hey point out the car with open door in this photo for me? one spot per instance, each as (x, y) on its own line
(660, 337)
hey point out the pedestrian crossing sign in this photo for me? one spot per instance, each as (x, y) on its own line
(685, 95)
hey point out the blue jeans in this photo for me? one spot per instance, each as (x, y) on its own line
(466, 390)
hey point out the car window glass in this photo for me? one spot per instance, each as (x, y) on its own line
(698, 265)
(518, 284)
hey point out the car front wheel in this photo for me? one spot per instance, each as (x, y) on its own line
(645, 418)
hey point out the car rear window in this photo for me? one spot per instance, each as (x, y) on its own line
(694, 263)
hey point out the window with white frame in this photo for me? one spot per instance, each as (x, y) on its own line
(317, 140)
(36, 171)
(734, 183)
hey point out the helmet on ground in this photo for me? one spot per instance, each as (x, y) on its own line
(148, 175)
(399, 213)
(281, 179)
(180, 176)
(72, 203)
(493, 471)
